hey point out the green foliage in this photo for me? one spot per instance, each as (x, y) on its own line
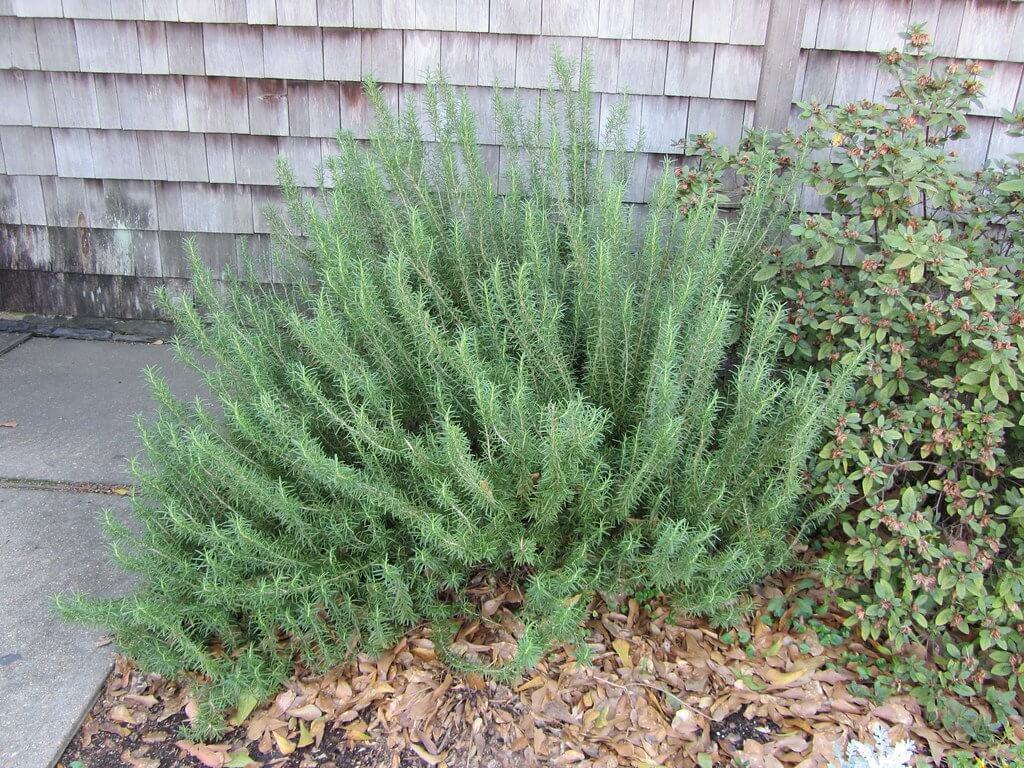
(537, 387)
(919, 261)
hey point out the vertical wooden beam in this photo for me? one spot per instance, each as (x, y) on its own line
(780, 58)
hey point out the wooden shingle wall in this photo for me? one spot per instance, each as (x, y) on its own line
(125, 124)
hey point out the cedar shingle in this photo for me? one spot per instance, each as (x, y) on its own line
(159, 10)
(889, 18)
(460, 57)
(14, 109)
(841, 28)
(436, 14)
(722, 117)
(176, 156)
(689, 69)
(662, 19)
(421, 55)
(471, 15)
(335, 13)
(213, 11)
(185, 54)
(712, 21)
(604, 58)
(153, 48)
(516, 16)
(151, 103)
(57, 46)
(381, 52)
(986, 30)
(397, 14)
(749, 22)
(497, 60)
(642, 66)
(664, 120)
(220, 159)
(217, 105)
(41, 104)
(615, 18)
(570, 17)
(293, 52)
(86, 9)
(297, 13)
(84, 100)
(736, 72)
(261, 11)
(268, 107)
(18, 43)
(108, 46)
(233, 50)
(342, 54)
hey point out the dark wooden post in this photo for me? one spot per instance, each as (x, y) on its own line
(779, 61)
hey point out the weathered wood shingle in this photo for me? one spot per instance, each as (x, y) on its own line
(516, 17)
(293, 52)
(381, 52)
(262, 11)
(185, 50)
(615, 18)
(151, 103)
(987, 28)
(86, 9)
(334, 13)
(689, 69)
(497, 60)
(664, 121)
(712, 21)
(342, 54)
(421, 55)
(472, 15)
(41, 103)
(14, 109)
(217, 105)
(213, 11)
(642, 66)
(18, 46)
(297, 13)
(108, 46)
(85, 100)
(570, 17)
(153, 47)
(460, 57)
(661, 19)
(436, 14)
(841, 30)
(173, 156)
(735, 72)
(233, 50)
(58, 49)
(163, 117)
(268, 107)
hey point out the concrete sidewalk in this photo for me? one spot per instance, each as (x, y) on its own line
(73, 404)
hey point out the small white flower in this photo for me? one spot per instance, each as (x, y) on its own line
(884, 754)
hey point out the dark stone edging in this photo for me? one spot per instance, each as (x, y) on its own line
(87, 328)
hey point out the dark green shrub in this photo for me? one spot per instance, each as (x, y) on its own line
(919, 261)
(461, 384)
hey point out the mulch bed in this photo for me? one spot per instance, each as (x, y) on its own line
(659, 693)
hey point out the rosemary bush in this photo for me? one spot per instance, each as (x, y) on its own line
(538, 386)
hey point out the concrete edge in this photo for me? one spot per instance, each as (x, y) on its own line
(10, 340)
(76, 724)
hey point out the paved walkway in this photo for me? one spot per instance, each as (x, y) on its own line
(73, 404)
